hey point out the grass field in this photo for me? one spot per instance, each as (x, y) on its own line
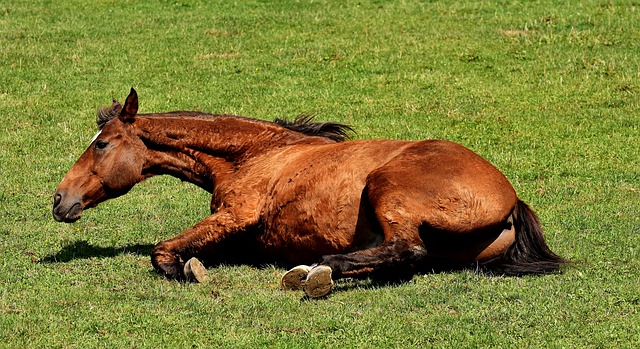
(548, 91)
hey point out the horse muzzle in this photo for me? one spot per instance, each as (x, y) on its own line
(66, 209)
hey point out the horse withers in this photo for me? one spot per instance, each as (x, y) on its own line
(301, 193)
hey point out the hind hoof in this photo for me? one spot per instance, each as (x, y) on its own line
(318, 282)
(292, 280)
(194, 271)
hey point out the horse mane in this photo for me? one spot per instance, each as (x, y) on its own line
(107, 113)
(303, 123)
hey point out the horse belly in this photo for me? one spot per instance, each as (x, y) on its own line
(316, 205)
(316, 216)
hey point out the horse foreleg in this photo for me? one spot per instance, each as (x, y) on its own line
(169, 257)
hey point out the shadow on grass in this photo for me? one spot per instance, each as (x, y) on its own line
(81, 250)
(397, 278)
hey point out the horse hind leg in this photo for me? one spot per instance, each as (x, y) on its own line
(392, 261)
(396, 259)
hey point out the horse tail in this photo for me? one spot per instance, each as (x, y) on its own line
(529, 254)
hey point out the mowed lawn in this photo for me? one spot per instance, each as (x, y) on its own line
(548, 91)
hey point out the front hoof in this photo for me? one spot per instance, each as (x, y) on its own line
(167, 264)
(194, 271)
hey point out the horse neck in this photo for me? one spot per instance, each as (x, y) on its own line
(205, 149)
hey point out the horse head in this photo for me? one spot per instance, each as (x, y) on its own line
(110, 167)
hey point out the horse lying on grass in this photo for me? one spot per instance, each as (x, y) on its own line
(299, 193)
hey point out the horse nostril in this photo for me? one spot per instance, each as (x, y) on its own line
(56, 200)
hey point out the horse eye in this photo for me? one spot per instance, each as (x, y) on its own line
(101, 144)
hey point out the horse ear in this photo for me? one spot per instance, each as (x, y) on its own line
(130, 108)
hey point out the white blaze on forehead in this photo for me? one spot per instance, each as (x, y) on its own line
(95, 137)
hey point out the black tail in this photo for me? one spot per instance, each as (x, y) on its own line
(529, 254)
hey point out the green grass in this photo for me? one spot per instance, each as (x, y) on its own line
(546, 90)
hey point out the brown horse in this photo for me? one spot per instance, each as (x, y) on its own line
(298, 193)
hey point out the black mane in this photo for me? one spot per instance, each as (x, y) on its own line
(107, 113)
(303, 124)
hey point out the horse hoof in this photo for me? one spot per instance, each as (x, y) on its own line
(194, 271)
(318, 282)
(292, 280)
